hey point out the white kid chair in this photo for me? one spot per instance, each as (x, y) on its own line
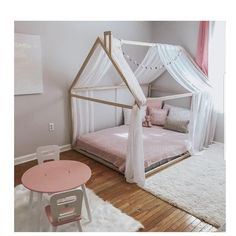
(44, 153)
(65, 207)
(47, 153)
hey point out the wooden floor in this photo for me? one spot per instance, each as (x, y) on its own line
(156, 215)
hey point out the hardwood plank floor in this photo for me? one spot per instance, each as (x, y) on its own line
(155, 214)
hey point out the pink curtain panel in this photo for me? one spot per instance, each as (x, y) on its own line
(202, 47)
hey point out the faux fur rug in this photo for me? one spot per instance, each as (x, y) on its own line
(196, 185)
(106, 218)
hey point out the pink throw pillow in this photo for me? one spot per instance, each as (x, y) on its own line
(153, 103)
(158, 116)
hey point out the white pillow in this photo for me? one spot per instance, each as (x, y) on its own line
(127, 114)
(179, 113)
(177, 119)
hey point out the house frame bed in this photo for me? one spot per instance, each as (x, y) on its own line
(107, 47)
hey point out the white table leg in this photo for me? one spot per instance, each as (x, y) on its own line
(30, 208)
(86, 202)
(40, 209)
(79, 226)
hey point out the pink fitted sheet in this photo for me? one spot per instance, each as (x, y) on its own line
(111, 144)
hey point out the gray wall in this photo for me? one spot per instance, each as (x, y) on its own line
(183, 33)
(64, 47)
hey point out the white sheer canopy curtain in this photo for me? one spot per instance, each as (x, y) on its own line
(83, 111)
(187, 74)
(156, 68)
(134, 168)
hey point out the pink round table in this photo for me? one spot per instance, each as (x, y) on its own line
(56, 176)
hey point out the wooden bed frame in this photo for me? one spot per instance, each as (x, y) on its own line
(167, 164)
(147, 173)
(107, 47)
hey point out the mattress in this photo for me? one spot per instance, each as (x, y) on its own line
(111, 145)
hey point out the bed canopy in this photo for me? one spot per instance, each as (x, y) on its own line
(107, 53)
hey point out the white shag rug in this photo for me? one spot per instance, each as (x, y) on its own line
(196, 185)
(106, 218)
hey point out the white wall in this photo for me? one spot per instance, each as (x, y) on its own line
(186, 34)
(64, 47)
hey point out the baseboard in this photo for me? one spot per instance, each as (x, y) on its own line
(66, 147)
(31, 157)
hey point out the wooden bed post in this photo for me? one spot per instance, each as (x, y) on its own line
(107, 35)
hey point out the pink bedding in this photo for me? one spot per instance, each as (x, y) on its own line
(111, 144)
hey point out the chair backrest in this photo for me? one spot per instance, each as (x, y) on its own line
(46, 153)
(66, 205)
